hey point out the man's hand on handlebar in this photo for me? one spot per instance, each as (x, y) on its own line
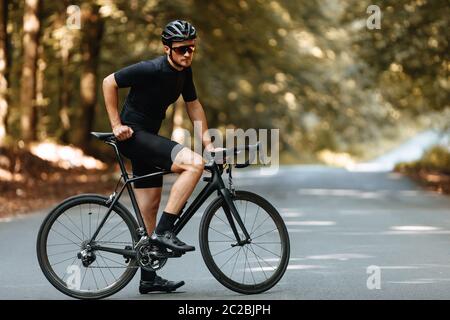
(122, 132)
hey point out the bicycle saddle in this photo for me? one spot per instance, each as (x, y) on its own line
(103, 136)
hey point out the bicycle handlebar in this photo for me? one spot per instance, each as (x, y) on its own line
(252, 148)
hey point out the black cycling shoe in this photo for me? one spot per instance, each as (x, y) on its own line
(159, 284)
(169, 240)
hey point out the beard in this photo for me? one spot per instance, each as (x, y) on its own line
(185, 62)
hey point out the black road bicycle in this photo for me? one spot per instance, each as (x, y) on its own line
(90, 246)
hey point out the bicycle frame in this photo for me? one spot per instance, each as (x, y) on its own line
(214, 183)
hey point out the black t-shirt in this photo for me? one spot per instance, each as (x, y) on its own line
(154, 85)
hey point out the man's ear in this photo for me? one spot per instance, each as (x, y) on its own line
(166, 49)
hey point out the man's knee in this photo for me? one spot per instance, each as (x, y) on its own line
(188, 160)
(198, 168)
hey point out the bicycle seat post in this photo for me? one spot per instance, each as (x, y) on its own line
(119, 158)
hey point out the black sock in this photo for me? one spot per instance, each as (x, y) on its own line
(147, 275)
(165, 222)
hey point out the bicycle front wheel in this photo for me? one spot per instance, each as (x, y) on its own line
(249, 268)
(64, 234)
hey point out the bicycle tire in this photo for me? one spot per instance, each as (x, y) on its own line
(41, 248)
(216, 270)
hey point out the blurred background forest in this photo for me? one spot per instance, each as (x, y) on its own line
(335, 88)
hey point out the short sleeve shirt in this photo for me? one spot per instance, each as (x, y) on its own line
(154, 85)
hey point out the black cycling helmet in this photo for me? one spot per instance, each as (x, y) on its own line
(178, 30)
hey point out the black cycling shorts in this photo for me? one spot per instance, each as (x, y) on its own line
(149, 153)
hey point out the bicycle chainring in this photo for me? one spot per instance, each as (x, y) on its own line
(146, 255)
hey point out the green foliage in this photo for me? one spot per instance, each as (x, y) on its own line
(409, 55)
(436, 158)
(309, 68)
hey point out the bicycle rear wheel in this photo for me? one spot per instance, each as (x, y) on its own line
(251, 268)
(64, 234)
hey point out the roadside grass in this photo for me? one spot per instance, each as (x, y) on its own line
(431, 171)
(29, 183)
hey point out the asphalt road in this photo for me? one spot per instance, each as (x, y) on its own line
(345, 227)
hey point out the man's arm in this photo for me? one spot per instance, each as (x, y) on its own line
(111, 95)
(196, 113)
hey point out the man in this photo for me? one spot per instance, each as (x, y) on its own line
(154, 85)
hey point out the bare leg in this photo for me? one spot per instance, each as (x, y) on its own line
(190, 166)
(148, 200)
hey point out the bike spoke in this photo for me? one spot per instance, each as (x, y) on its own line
(234, 266)
(245, 264)
(245, 214)
(95, 280)
(89, 214)
(266, 242)
(65, 271)
(229, 259)
(69, 230)
(274, 269)
(107, 266)
(85, 271)
(54, 230)
(106, 221)
(226, 222)
(254, 221)
(54, 264)
(249, 266)
(124, 265)
(260, 224)
(262, 269)
(81, 219)
(98, 217)
(62, 244)
(101, 271)
(264, 234)
(222, 233)
(120, 222)
(267, 250)
(64, 214)
(55, 254)
(222, 251)
(126, 230)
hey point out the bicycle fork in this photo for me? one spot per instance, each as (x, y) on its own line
(231, 212)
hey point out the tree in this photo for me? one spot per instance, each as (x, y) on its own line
(92, 32)
(3, 69)
(409, 55)
(31, 29)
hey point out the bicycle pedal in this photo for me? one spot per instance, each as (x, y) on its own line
(177, 254)
(164, 253)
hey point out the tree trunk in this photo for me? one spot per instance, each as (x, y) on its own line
(66, 43)
(42, 116)
(3, 70)
(92, 31)
(64, 94)
(31, 27)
